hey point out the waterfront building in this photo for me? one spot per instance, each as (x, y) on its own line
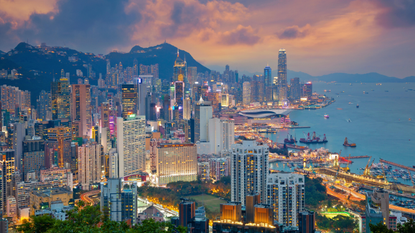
(282, 75)
(246, 94)
(257, 89)
(61, 96)
(89, 164)
(119, 200)
(268, 83)
(203, 171)
(176, 162)
(285, 194)
(307, 90)
(81, 108)
(129, 100)
(219, 167)
(295, 93)
(249, 170)
(33, 156)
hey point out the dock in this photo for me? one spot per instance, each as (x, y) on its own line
(397, 165)
(358, 157)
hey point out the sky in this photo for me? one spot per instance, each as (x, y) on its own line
(320, 36)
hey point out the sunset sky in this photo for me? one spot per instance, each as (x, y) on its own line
(320, 36)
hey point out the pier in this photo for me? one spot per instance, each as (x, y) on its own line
(358, 157)
(397, 165)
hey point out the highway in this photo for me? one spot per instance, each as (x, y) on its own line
(86, 197)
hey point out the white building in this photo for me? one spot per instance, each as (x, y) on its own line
(246, 93)
(221, 135)
(285, 194)
(249, 170)
(89, 164)
(205, 115)
(131, 137)
(57, 210)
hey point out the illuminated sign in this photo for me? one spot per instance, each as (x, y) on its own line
(131, 116)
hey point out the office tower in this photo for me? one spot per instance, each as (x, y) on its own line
(282, 75)
(307, 90)
(178, 99)
(257, 89)
(113, 163)
(196, 92)
(33, 156)
(186, 212)
(119, 200)
(268, 83)
(176, 162)
(225, 100)
(142, 94)
(249, 170)
(187, 108)
(285, 192)
(203, 112)
(295, 89)
(60, 102)
(306, 221)
(129, 100)
(377, 210)
(179, 70)
(192, 74)
(214, 98)
(59, 141)
(19, 133)
(12, 97)
(105, 115)
(246, 94)
(221, 135)
(165, 114)
(219, 167)
(89, 164)
(3, 186)
(43, 105)
(8, 168)
(81, 108)
(131, 144)
(275, 93)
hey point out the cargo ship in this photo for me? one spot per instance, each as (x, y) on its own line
(347, 144)
(314, 139)
(290, 140)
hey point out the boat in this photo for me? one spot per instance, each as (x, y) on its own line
(326, 116)
(350, 102)
(290, 139)
(357, 106)
(347, 144)
(314, 139)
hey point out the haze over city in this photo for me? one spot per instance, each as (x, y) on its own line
(321, 37)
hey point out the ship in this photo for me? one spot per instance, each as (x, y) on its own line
(326, 116)
(314, 139)
(347, 144)
(290, 140)
(357, 106)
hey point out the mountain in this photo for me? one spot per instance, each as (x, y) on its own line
(1, 53)
(350, 78)
(164, 54)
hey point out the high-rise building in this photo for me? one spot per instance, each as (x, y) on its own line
(176, 162)
(221, 135)
(33, 156)
(192, 74)
(179, 70)
(203, 112)
(377, 210)
(249, 170)
(129, 100)
(203, 171)
(282, 75)
(89, 164)
(119, 200)
(81, 108)
(61, 96)
(186, 212)
(306, 222)
(135, 67)
(105, 115)
(8, 168)
(131, 144)
(178, 100)
(295, 93)
(268, 84)
(12, 98)
(43, 105)
(246, 93)
(307, 90)
(219, 167)
(285, 194)
(58, 146)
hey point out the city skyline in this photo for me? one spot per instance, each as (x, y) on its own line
(321, 37)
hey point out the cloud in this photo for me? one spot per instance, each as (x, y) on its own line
(294, 32)
(396, 13)
(240, 35)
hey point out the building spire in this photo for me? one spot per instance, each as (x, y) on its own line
(177, 52)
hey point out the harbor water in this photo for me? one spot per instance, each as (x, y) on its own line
(382, 127)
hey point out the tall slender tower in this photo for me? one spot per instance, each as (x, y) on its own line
(61, 96)
(81, 108)
(282, 75)
(268, 83)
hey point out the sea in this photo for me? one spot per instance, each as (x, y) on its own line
(382, 127)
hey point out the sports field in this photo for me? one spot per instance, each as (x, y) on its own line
(210, 202)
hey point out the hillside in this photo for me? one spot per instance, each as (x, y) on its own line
(350, 78)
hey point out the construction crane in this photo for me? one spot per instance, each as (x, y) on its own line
(366, 172)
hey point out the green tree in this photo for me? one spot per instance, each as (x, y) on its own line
(149, 225)
(379, 228)
(408, 227)
(37, 224)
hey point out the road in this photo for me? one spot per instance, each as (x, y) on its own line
(86, 197)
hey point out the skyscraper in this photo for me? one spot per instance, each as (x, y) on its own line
(192, 74)
(129, 100)
(249, 170)
(89, 164)
(178, 100)
(268, 84)
(43, 105)
(295, 89)
(61, 99)
(285, 194)
(59, 141)
(81, 108)
(131, 144)
(203, 112)
(246, 93)
(282, 75)
(179, 70)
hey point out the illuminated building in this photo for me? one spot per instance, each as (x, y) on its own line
(43, 198)
(249, 170)
(33, 156)
(282, 75)
(59, 139)
(225, 100)
(187, 109)
(57, 177)
(307, 90)
(8, 168)
(176, 162)
(285, 195)
(105, 114)
(81, 108)
(89, 164)
(246, 94)
(131, 144)
(186, 212)
(178, 98)
(129, 100)
(192, 74)
(11, 207)
(61, 99)
(119, 200)
(306, 222)
(219, 167)
(295, 89)
(257, 89)
(268, 84)
(203, 170)
(43, 105)
(377, 210)
(203, 112)
(179, 70)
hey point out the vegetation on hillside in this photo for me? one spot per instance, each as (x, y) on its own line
(408, 227)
